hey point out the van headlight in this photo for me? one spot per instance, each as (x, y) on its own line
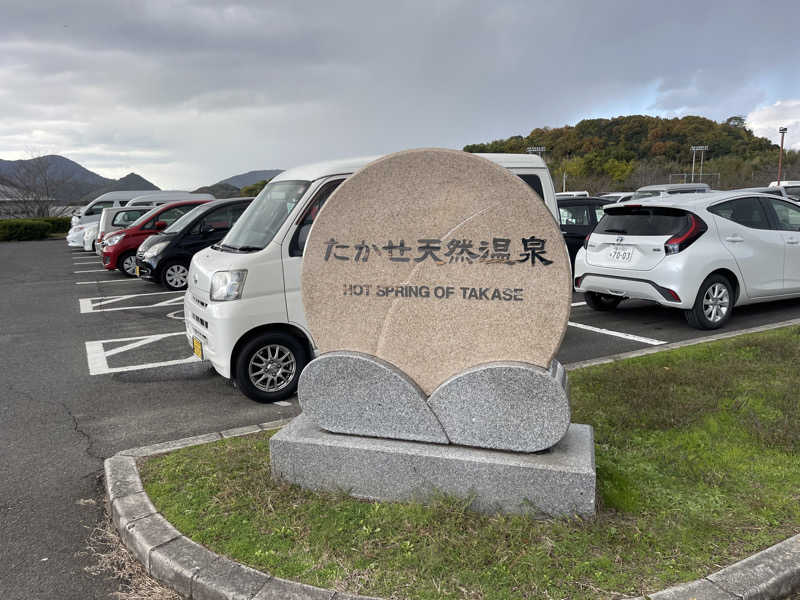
(155, 249)
(227, 285)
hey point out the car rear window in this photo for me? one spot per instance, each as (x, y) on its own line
(641, 220)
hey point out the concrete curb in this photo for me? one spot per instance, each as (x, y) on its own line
(195, 572)
(675, 345)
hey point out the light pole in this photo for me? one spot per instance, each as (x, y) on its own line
(782, 131)
(702, 150)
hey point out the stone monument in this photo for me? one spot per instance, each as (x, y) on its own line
(437, 288)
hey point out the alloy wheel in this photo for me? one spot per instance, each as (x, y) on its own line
(129, 265)
(272, 368)
(716, 302)
(176, 275)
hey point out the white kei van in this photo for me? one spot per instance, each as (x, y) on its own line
(91, 212)
(243, 310)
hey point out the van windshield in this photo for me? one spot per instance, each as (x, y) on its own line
(264, 217)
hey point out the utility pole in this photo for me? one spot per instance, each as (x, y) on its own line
(782, 131)
(694, 150)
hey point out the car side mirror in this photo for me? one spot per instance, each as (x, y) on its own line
(302, 236)
(161, 225)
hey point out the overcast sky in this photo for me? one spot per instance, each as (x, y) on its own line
(188, 93)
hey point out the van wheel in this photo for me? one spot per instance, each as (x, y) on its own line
(127, 264)
(601, 302)
(713, 305)
(174, 276)
(269, 366)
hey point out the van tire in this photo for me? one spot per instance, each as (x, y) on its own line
(602, 302)
(714, 287)
(262, 362)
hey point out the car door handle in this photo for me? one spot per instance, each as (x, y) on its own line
(793, 242)
(734, 238)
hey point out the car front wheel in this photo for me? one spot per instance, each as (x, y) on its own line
(174, 276)
(601, 302)
(713, 305)
(127, 264)
(268, 367)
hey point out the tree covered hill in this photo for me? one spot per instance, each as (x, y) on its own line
(629, 151)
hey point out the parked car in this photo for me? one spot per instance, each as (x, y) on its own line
(668, 189)
(702, 253)
(165, 258)
(243, 298)
(618, 196)
(792, 188)
(119, 248)
(90, 236)
(578, 217)
(777, 190)
(114, 219)
(91, 212)
(165, 196)
(583, 194)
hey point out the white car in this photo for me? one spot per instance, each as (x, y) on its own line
(90, 236)
(243, 307)
(75, 235)
(702, 253)
(618, 196)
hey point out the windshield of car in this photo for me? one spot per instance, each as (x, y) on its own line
(792, 190)
(637, 220)
(186, 219)
(646, 194)
(265, 215)
(125, 218)
(145, 217)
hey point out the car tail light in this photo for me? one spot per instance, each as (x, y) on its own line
(683, 239)
(578, 281)
(674, 295)
(586, 242)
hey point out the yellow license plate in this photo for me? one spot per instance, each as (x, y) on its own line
(197, 347)
(137, 271)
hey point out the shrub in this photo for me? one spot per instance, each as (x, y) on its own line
(24, 229)
(57, 224)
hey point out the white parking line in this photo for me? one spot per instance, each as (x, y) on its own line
(91, 271)
(131, 280)
(97, 356)
(282, 403)
(619, 334)
(90, 305)
(579, 304)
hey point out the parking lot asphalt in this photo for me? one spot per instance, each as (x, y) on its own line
(95, 363)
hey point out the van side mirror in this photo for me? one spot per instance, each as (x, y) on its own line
(161, 225)
(302, 236)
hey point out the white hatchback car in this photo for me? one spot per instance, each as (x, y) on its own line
(703, 253)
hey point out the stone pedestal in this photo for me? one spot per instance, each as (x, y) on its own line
(559, 481)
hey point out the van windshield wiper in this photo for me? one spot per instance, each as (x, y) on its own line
(248, 248)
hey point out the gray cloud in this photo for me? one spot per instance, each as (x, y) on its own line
(187, 93)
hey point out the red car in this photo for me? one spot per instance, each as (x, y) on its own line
(119, 248)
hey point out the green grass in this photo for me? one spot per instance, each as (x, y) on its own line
(697, 467)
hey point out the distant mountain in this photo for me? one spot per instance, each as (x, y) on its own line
(64, 179)
(251, 177)
(219, 190)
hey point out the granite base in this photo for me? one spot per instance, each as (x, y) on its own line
(559, 481)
